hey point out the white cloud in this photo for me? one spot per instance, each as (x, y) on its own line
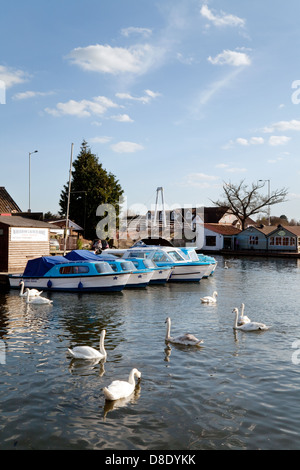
(251, 141)
(149, 94)
(293, 125)
(11, 76)
(126, 147)
(275, 140)
(229, 57)
(223, 19)
(122, 118)
(83, 108)
(115, 60)
(134, 30)
(31, 94)
(242, 141)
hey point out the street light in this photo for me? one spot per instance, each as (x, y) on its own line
(30, 153)
(269, 215)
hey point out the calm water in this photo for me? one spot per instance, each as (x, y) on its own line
(239, 391)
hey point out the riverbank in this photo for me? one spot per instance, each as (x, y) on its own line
(262, 253)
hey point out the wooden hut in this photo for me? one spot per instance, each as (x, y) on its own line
(22, 239)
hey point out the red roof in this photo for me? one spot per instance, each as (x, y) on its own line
(223, 229)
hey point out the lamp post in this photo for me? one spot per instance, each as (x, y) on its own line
(269, 215)
(30, 153)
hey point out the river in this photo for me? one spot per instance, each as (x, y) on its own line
(238, 391)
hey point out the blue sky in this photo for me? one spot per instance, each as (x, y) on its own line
(181, 94)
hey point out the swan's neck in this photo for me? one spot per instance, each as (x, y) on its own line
(22, 288)
(101, 345)
(131, 379)
(168, 329)
(236, 318)
(242, 312)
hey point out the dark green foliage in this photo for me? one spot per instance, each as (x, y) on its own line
(91, 185)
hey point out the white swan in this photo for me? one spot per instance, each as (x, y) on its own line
(243, 318)
(121, 389)
(86, 352)
(209, 299)
(186, 339)
(252, 326)
(32, 292)
(36, 299)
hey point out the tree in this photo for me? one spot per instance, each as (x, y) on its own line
(91, 185)
(244, 202)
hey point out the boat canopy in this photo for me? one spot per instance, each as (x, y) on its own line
(82, 255)
(38, 267)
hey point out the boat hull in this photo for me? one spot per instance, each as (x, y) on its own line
(101, 283)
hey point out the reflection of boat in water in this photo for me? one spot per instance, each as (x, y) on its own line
(58, 273)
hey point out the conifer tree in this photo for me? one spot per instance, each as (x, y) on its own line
(91, 185)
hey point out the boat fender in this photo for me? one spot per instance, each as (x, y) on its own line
(80, 285)
(49, 284)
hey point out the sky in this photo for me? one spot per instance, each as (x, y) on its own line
(181, 94)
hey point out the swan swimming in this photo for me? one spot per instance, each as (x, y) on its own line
(120, 388)
(32, 292)
(86, 352)
(186, 339)
(209, 299)
(251, 326)
(36, 299)
(243, 318)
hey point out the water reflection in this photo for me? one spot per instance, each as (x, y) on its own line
(122, 402)
(239, 391)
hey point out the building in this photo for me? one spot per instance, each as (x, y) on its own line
(22, 239)
(269, 238)
(7, 204)
(218, 237)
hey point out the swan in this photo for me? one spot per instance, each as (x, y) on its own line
(210, 300)
(120, 388)
(251, 326)
(36, 299)
(225, 265)
(243, 318)
(187, 339)
(32, 292)
(86, 352)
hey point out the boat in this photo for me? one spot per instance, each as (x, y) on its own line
(191, 254)
(138, 277)
(161, 274)
(184, 270)
(57, 273)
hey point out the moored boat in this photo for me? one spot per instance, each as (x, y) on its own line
(57, 273)
(191, 254)
(184, 270)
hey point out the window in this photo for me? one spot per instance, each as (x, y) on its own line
(253, 240)
(210, 240)
(286, 241)
(74, 269)
(103, 267)
(278, 241)
(271, 241)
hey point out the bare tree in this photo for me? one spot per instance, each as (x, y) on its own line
(244, 201)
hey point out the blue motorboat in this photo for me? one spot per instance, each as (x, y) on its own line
(161, 274)
(58, 273)
(190, 254)
(137, 277)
